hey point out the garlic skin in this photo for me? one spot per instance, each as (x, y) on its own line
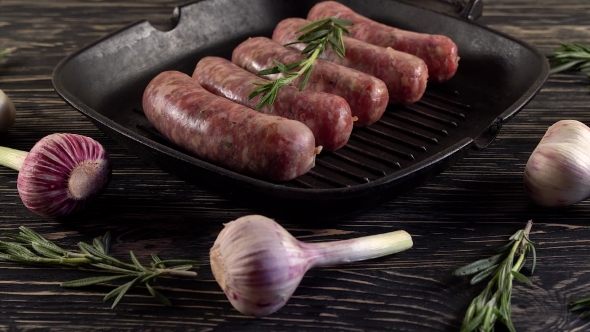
(63, 173)
(259, 265)
(558, 171)
(7, 113)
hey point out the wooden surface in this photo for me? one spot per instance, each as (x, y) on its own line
(458, 217)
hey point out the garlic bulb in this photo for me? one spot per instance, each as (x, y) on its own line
(7, 113)
(61, 174)
(558, 171)
(258, 264)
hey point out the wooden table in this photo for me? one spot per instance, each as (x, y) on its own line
(456, 218)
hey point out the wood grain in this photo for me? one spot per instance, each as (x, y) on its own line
(459, 216)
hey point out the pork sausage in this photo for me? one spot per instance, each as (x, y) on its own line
(438, 51)
(226, 133)
(327, 115)
(366, 94)
(404, 74)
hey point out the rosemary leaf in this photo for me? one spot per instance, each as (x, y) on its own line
(15, 249)
(483, 274)
(312, 25)
(41, 249)
(6, 51)
(178, 262)
(477, 266)
(120, 291)
(157, 261)
(106, 242)
(158, 296)
(311, 37)
(113, 268)
(306, 78)
(98, 245)
(136, 262)
(182, 267)
(522, 278)
(18, 237)
(91, 281)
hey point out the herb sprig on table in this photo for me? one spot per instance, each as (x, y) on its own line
(30, 247)
(6, 51)
(318, 35)
(494, 302)
(575, 57)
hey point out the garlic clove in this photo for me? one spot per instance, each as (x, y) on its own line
(259, 265)
(558, 171)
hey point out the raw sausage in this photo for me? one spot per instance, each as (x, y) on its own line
(404, 74)
(226, 133)
(366, 94)
(439, 52)
(327, 115)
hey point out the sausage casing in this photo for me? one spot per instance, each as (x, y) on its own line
(226, 133)
(367, 95)
(438, 51)
(404, 74)
(327, 115)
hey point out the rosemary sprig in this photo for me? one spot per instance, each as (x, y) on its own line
(494, 302)
(318, 35)
(30, 247)
(570, 57)
(582, 304)
(6, 51)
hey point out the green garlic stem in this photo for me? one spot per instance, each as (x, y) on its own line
(12, 158)
(352, 250)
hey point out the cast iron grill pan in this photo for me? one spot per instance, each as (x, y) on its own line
(497, 76)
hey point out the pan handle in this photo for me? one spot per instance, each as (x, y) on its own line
(466, 9)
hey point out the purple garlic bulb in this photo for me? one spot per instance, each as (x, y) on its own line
(259, 265)
(61, 174)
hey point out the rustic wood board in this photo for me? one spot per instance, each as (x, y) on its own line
(458, 217)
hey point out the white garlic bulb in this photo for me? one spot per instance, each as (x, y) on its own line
(258, 264)
(558, 171)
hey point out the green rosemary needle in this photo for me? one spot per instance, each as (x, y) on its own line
(570, 57)
(318, 35)
(494, 302)
(6, 51)
(582, 304)
(30, 247)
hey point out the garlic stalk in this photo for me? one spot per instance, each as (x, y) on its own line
(259, 265)
(558, 171)
(61, 174)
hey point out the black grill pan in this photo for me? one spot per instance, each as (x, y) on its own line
(497, 76)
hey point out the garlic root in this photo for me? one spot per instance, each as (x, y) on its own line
(259, 265)
(558, 171)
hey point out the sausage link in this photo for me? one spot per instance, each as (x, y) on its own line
(438, 51)
(225, 133)
(366, 94)
(404, 74)
(327, 115)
